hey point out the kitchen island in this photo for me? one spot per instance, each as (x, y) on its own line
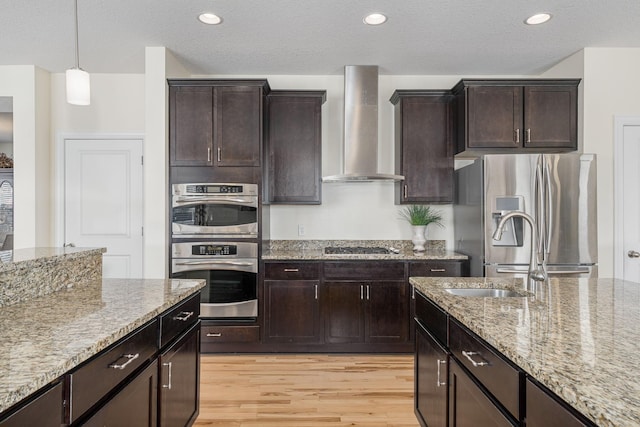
(73, 316)
(576, 337)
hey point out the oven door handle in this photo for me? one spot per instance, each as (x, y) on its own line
(236, 263)
(238, 200)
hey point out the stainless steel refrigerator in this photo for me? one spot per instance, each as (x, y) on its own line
(557, 190)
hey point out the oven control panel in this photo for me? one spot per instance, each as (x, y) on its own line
(214, 249)
(215, 189)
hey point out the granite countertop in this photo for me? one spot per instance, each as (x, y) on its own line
(313, 250)
(578, 337)
(44, 337)
(35, 257)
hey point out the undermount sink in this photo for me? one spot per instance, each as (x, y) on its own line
(484, 292)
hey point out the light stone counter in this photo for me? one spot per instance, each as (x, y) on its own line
(578, 337)
(46, 336)
(313, 250)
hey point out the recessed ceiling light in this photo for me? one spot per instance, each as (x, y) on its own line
(209, 18)
(538, 18)
(375, 19)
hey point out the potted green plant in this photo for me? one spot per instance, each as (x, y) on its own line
(420, 216)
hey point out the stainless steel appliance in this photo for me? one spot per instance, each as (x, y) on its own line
(231, 272)
(557, 190)
(214, 210)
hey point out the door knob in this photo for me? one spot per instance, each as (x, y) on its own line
(633, 254)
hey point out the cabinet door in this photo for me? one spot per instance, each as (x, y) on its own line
(238, 125)
(431, 366)
(426, 152)
(387, 312)
(469, 406)
(191, 126)
(545, 410)
(494, 117)
(135, 405)
(180, 380)
(550, 117)
(292, 312)
(294, 148)
(343, 312)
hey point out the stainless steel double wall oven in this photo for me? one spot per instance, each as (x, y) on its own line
(214, 230)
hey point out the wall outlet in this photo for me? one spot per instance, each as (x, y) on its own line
(300, 230)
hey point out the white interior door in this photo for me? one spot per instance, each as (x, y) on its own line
(103, 201)
(628, 204)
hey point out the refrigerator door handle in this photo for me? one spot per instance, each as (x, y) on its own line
(548, 219)
(539, 208)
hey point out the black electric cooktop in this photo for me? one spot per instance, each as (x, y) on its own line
(354, 250)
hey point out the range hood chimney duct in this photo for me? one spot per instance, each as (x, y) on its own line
(361, 127)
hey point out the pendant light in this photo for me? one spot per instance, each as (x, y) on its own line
(78, 81)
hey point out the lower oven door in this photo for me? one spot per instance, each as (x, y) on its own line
(231, 291)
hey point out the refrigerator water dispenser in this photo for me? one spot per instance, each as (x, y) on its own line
(513, 229)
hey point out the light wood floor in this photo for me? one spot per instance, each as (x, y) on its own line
(306, 390)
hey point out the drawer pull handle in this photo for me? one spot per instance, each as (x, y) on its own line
(130, 357)
(468, 355)
(438, 382)
(214, 334)
(183, 316)
(291, 270)
(167, 386)
(438, 270)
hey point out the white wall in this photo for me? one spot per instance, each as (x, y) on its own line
(609, 88)
(30, 88)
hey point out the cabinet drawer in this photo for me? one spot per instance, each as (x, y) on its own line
(432, 317)
(291, 270)
(179, 319)
(230, 334)
(439, 269)
(545, 409)
(364, 270)
(100, 375)
(498, 376)
(45, 410)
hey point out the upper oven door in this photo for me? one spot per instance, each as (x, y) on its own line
(214, 216)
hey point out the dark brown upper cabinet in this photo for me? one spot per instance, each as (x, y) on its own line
(216, 122)
(424, 145)
(526, 115)
(293, 147)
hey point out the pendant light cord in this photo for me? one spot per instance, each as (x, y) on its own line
(77, 50)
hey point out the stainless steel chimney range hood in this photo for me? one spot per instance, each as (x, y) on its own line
(361, 127)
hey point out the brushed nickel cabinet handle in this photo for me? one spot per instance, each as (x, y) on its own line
(219, 154)
(368, 293)
(214, 334)
(406, 191)
(291, 270)
(438, 364)
(528, 135)
(438, 270)
(316, 286)
(468, 355)
(183, 316)
(209, 154)
(130, 357)
(518, 136)
(361, 292)
(168, 365)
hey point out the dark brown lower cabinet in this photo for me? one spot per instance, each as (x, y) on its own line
(366, 312)
(292, 311)
(469, 406)
(44, 410)
(546, 410)
(134, 405)
(180, 380)
(431, 373)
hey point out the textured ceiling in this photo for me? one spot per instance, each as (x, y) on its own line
(314, 37)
